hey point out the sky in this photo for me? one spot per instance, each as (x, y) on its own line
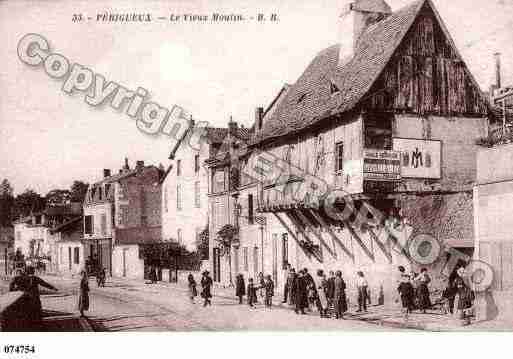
(50, 138)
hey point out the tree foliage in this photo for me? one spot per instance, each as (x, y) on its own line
(78, 191)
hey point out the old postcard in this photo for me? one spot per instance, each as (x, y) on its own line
(196, 166)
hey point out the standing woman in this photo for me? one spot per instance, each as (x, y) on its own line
(423, 280)
(206, 284)
(322, 288)
(240, 287)
(83, 298)
(193, 292)
(339, 296)
(406, 292)
(261, 284)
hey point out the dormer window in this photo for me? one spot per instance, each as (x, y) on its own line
(301, 98)
(333, 88)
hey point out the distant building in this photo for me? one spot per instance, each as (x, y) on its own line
(33, 236)
(121, 212)
(6, 247)
(69, 238)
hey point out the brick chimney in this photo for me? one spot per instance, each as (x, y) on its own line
(356, 16)
(106, 172)
(232, 127)
(139, 165)
(126, 167)
(259, 119)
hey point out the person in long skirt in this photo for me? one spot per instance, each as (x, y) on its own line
(291, 280)
(423, 280)
(301, 293)
(240, 287)
(206, 285)
(252, 296)
(193, 292)
(269, 291)
(322, 288)
(339, 296)
(83, 297)
(406, 292)
(465, 297)
(260, 284)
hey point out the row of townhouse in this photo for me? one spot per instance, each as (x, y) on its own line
(389, 118)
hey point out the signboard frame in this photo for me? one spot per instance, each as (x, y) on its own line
(381, 176)
(440, 142)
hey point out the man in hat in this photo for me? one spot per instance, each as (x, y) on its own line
(206, 284)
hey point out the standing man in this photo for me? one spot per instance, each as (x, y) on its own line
(361, 284)
(206, 284)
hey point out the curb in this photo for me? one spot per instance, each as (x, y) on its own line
(85, 325)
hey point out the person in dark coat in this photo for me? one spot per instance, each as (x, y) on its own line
(206, 285)
(339, 296)
(269, 291)
(83, 297)
(240, 287)
(252, 296)
(19, 281)
(424, 301)
(291, 286)
(466, 297)
(311, 288)
(260, 284)
(301, 293)
(32, 290)
(193, 292)
(330, 288)
(285, 285)
(406, 292)
(362, 286)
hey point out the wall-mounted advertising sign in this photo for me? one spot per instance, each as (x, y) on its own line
(419, 158)
(381, 165)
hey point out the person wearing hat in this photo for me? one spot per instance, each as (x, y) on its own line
(465, 297)
(32, 283)
(206, 285)
(83, 297)
(19, 281)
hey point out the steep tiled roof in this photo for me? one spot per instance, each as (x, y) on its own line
(310, 99)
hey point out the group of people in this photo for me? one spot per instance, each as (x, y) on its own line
(414, 292)
(264, 286)
(206, 288)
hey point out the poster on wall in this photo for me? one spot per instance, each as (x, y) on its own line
(381, 165)
(419, 158)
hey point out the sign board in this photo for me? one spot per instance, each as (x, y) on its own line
(419, 158)
(381, 165)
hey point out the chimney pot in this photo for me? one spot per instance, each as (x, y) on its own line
(259, 117)
(498, 70)
(106, 172)
(139, 165)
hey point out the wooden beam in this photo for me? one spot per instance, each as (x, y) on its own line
(314, 230)
(359, 240)
(381, 245)
(333, 236)
(285, 225)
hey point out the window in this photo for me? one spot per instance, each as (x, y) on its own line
(178, 167)
(245, 258)
(196, 164)
(285, 250)
(179, 235)
(218, 180)
(251, 218)
(88, 224)
(76, 255)
(197, 194)
(339, 157)
(104, 223)
(107, 190)
(179, 197)
(100, 193)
